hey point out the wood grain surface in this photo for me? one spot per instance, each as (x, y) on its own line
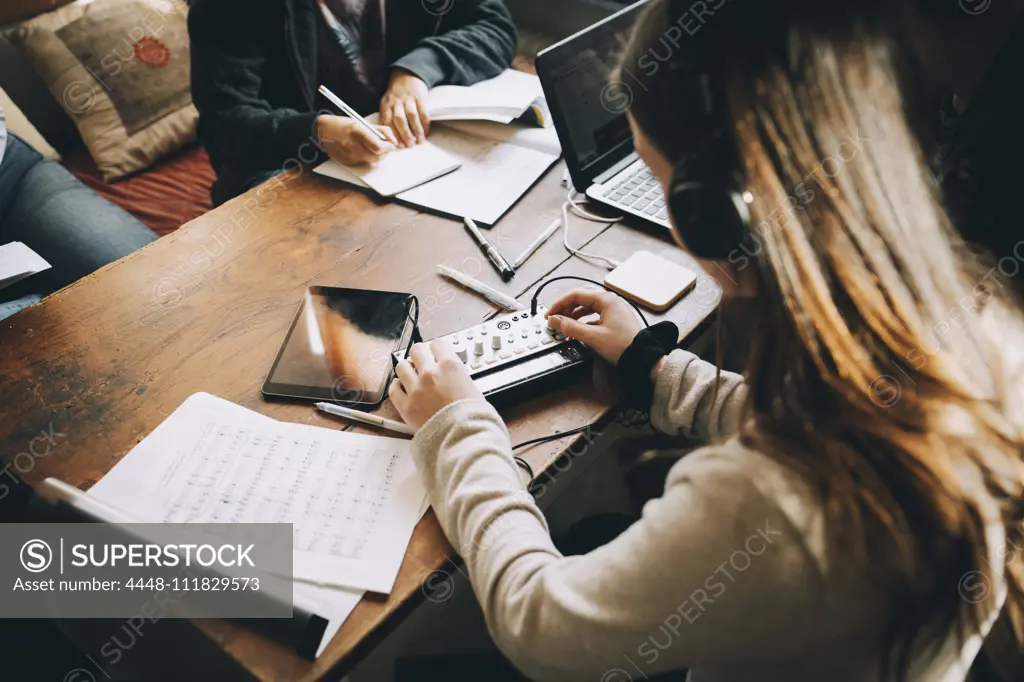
(101, 363)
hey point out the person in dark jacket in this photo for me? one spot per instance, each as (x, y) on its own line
(256, 66)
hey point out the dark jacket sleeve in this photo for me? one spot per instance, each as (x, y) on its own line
(475, 40)
(237, 126)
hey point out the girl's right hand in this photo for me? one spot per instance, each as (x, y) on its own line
(610, 335)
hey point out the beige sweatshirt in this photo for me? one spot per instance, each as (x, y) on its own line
(725, 574)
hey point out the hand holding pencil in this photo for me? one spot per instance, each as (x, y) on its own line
(352, 141)
(350, 144)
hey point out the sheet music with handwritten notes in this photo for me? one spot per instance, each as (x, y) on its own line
(353, 499)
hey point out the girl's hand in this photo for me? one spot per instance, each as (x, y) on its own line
(434, 379)
(610, 335)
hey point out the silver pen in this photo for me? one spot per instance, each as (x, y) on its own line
(500, 264)
(493, 295)
(356, 415)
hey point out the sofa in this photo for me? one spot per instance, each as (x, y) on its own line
(165, 195)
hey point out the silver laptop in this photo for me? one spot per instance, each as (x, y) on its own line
(589, 114)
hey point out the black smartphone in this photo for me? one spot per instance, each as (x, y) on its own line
(339, 346)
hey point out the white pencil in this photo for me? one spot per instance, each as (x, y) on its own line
(541, 238)
(350, 112)
(493, 295)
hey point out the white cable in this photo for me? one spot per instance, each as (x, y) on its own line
(581, 212)
(570, 202)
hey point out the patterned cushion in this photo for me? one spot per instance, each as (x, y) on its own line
(120, 68)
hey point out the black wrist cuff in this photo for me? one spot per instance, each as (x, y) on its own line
(636, 363)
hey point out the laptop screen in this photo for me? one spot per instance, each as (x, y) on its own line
(588, 110)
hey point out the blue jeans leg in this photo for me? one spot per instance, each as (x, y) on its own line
(73, 228)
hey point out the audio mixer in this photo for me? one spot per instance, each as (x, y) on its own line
(516, 355)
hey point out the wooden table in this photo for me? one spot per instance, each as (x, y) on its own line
(104, 361)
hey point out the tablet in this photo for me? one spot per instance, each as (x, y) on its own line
(339, 346)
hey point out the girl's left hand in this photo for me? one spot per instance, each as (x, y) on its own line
(404, 108)
(434, 379)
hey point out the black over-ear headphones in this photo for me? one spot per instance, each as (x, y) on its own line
(707, 201)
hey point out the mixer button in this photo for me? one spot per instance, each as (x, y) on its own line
(491, 361)
(504, 355)
(560, 336)
(533, 346)
(546, 340)
(520, 350)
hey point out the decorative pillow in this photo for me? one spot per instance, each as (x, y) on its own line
(120, 68)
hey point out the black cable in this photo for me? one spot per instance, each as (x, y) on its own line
(536, 295)
(526, 465)
(414, 337)
(555, 436)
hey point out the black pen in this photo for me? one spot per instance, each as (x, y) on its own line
(500, 264)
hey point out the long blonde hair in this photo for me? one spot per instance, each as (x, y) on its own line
(883, 368)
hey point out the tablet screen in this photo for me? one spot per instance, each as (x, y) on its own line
(339, 346)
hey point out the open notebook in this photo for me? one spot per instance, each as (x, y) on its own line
(509, 96)
(497, 164)
(404, 169)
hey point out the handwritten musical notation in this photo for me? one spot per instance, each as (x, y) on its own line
(352, 499)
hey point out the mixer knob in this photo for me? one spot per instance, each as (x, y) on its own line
(462, 353)
(495, 342)
(478, 347)
(511, 339)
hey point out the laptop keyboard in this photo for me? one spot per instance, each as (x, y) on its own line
(639, 190)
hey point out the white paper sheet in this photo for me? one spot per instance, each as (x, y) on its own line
(353, 499)
(541, 139)
(405, 168)
(492, 178)
(333, 603)
(17, 262)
